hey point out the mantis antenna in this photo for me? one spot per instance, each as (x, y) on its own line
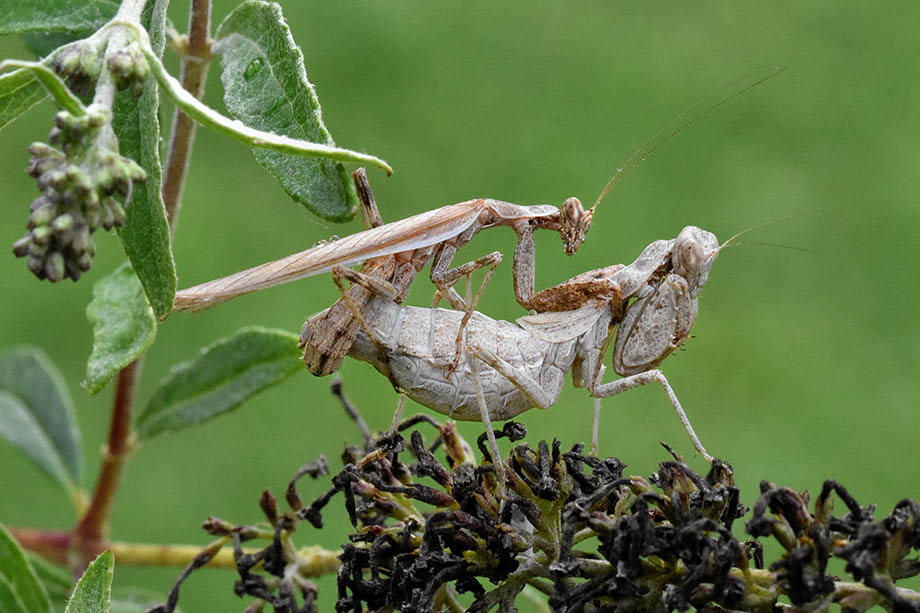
(685, 119)
(728, 243)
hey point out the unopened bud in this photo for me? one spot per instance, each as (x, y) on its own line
(37, 251)
(54, 267)
(118, 215)
(36, 264)
(21, 247)
(84, 262)
(40, 235)
(62, 223)
(67, 62)
(43, 214)
(108, 218)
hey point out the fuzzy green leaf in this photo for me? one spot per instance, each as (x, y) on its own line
(20, 589)
(94, 589)
(266, 87)
(145, 235)
(51, 83)
(18, 16)
(37, 415)
(222, 376)
(19, 92)
(124, 326)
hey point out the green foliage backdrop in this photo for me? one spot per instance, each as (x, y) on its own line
(803, 365)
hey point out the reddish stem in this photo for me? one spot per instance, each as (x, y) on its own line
(90, 534)
(194, 74)
(49, 544)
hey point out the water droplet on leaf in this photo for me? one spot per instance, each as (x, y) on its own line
(253, 68)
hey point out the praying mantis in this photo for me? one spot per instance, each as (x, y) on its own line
(650, 307)
(489, 369)
(393, 254)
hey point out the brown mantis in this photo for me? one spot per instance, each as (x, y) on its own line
(393, 254)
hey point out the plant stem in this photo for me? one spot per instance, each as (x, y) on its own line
(130, 10)
(195, 63)
(317, 561)
(50, 544)
(55, 545)
(92, 530)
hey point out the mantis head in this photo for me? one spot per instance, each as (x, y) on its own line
(694, 252)
(576, 221)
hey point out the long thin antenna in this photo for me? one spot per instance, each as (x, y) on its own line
(778, 246)
(768, 223)
(696, 112)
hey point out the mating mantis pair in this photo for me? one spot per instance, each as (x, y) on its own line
(503, 369)
(471, 367)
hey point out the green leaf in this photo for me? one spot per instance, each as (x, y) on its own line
(19, 92)
(52, 83)
(20, 589)
(37, 416)
(94, 589)
(266, 87)
(17, 16)
(222, 376)
(124, 326)
(145, 235)
(9, 601)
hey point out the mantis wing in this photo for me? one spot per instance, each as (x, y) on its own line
(416, 232)
(560, 326)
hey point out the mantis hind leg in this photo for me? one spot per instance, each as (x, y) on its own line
(497, 462)
(605, 390)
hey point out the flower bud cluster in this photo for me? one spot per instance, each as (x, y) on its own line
(82, 180)
(81, 64)
(129, 68)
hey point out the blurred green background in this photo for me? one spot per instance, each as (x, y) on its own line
(803, 366)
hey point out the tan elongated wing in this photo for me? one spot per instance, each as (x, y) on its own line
(422, 230)
(559, 326)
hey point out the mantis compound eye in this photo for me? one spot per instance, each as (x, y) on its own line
(690, 255)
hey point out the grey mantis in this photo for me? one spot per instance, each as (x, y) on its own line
(507, 368)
